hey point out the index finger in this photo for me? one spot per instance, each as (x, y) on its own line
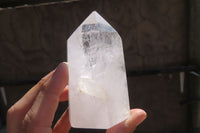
(45, 105)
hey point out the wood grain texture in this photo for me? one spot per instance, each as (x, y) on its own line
(33, 42)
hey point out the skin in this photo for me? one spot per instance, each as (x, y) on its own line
(35, 111)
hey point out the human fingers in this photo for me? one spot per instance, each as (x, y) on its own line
(129, 125)
(64, 96)
(42, 112)
(63, 124)
(18, 111)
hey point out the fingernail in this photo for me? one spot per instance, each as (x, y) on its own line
(60, 75)
(59, 68)
(141, 117)
(137, 118)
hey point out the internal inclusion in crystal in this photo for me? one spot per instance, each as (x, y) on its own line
(92, 88)
(94, 38)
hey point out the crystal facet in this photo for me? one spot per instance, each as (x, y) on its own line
(98, 94)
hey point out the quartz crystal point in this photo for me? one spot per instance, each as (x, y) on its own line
(98, 94)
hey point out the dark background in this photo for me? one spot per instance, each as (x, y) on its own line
(154, 35)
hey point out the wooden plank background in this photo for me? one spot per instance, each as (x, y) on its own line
(154, 34)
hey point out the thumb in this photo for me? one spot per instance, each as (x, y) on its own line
(129, 125)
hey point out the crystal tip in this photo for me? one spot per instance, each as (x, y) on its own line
(94, 13)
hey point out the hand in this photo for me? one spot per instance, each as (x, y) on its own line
(35, 111)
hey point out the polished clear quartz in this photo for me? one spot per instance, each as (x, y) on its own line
(98, 94)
